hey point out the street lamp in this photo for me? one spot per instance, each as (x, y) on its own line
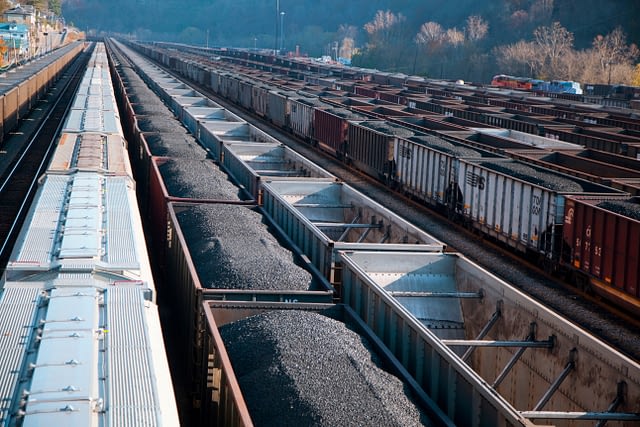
(275, 50)
(282, 30)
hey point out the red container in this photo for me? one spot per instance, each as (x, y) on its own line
(604, 246)
(331, 128)
(158, 201)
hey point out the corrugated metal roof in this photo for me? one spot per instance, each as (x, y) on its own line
(121, 237)
(132, 384)
(99, 354)
(17, 311)
(92, 121)
(95, 228)
(85, 101)
(35, 243)
(81, 235)
(64, 388)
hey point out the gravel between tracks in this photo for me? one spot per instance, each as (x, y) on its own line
(311, 370)
(232, 249)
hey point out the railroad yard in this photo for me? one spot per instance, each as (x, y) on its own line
(327, 243)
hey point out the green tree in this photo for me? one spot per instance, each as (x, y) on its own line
(38, 4)
(55, 6)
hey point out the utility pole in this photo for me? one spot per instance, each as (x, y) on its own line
(275, 50)
(281, 31)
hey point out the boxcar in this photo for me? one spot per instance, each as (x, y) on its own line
(516, 203)
(601, 239)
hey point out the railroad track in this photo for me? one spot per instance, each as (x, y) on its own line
(19, 184)
(618, 328)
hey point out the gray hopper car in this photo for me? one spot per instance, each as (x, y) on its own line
(322, 217)
(459, 328)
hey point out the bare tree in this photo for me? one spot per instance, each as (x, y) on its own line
(346, 47)
(518, 18)
(4, 5)
(432, 36)
(613, 49)
(554, 42)
(521, 58)
(454, 37)
(541, 10)
(477, 28)
(345, 30)
(586, 67)
(389, 40)
(347, 35)
(384, 27)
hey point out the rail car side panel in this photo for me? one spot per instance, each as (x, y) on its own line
(330, 131)
(603, 244)
(10, 109)
(521, 214)
(278, 108)
(259, 99)
(302, 116)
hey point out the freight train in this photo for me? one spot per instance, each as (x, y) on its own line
(521, 205)
(82, 342)
(22, 88)
(536, 85)
(412, 301)
(189, 203)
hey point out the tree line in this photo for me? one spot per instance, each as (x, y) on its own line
(547, 54)
(381, 34)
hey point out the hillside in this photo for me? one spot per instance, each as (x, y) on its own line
(315, 26)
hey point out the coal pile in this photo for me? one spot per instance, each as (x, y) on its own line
(177, 143)
(233, 249)
(346, 114)
(446, 146)
(629, 209)
(384, 127)
(197, 179)
(312, 102)
(304, 369)
(165, 134)
(157, 124)
(536, 176)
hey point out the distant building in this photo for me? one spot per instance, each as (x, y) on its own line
(20, 15)
(16, 39)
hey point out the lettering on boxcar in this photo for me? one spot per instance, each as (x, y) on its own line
(475, 180)
(535, 207)
(568, 218)
(405, 152)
